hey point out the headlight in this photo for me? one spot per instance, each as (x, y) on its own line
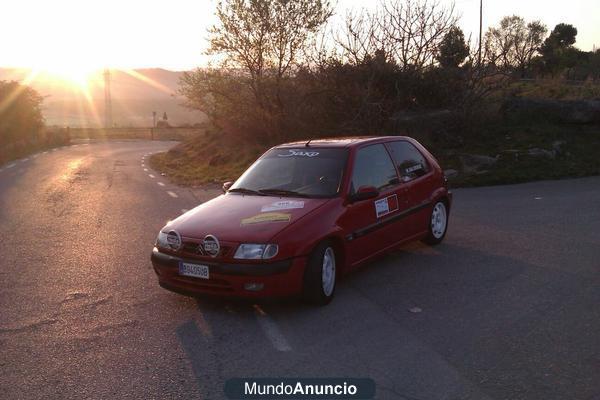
(247, 251)
(168, 240)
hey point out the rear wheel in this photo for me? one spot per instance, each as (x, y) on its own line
(438, 223)
(320, 275)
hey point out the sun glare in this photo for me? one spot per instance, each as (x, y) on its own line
(73, 75)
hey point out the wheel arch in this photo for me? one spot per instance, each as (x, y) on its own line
(340, 252)
(444, 195)
(337, 241)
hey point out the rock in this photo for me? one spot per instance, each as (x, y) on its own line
(509, 154)
(537, 152)
(450, 173)
(475, 162)
(557, 146)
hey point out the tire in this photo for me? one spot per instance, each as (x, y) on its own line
(320, 275)
(438, 223)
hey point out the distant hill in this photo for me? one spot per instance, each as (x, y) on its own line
(135, 95)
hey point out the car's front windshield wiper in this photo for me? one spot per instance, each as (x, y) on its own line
(245, 191)
(281, 192)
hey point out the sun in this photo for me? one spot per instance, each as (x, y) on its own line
(72, 74)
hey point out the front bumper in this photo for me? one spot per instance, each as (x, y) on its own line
(279, 279)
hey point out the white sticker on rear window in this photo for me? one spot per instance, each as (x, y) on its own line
(413, 168)
(299, 153)
(282, 205)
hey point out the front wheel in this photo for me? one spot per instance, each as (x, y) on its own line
(438, 223)
(320, 275)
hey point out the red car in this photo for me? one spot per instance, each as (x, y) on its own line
(303, 215)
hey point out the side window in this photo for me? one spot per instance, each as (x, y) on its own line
(373, 167)
(410, 162)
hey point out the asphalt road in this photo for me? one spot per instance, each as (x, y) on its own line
(508, 307)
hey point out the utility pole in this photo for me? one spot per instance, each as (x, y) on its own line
(108, 121)
(153, 125)
(480, 29)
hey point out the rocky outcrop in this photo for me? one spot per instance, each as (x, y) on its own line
(563, 111)
(473, 163)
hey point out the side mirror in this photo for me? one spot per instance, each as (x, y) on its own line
(365, 193)
(226, 186)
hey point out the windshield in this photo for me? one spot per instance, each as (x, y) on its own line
(303, 172)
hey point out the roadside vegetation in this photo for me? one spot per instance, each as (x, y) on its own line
(22, 128)
(512, 152)
(523, 108)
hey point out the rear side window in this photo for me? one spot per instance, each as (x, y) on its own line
(373, 167)
(410, 162)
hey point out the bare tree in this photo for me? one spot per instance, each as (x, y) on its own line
(265, 37)
(361, 36)
(413, 29)
(513, 43)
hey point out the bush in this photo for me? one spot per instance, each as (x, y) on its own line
(22, 124)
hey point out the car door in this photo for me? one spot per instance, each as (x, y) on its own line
(367, 223)
(417, 177)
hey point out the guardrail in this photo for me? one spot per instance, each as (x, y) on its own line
(134, 133)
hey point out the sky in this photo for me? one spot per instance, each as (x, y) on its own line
(71, 37)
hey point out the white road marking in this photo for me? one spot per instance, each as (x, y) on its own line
(160, 184)
(145, 169)
(85, 144)
(10, 165)
(25, 159)
(45, 152)
(172, 194)
(35, 156)
(271, 330)
(54, 149)
(151, 176)
(538, 198)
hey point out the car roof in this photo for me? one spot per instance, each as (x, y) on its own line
(349, 141)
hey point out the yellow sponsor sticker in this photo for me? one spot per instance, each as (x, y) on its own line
(267, 217)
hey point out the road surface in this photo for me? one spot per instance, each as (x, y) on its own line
(506, 308)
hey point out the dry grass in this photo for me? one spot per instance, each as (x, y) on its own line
(206, 159)
(556, 89)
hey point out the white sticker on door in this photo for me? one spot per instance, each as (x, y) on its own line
(381, 207)
(386, 205)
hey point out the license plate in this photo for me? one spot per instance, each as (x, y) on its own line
(193, 270)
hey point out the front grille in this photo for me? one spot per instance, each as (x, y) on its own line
(190, 249)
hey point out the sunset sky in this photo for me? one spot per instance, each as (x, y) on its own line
(71, 37)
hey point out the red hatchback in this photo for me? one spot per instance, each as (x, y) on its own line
(304, 214)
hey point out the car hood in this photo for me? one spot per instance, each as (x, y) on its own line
(243, 218)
